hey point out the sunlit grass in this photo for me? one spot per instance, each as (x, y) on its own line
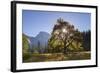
(36, 57)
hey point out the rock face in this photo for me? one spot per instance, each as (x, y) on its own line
(40, 41)
(41, 38)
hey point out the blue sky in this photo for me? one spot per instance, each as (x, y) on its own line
(35, 21)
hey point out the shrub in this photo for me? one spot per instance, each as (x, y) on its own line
(26, 56)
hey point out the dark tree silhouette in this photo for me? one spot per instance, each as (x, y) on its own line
(87, 40)
(39, 48)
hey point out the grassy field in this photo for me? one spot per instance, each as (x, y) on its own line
(58, 57)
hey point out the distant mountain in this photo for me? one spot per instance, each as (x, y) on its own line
(40, 40)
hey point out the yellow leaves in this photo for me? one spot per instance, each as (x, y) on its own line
(75, 46)
(25, 43)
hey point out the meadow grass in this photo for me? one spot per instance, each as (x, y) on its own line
(36, 57)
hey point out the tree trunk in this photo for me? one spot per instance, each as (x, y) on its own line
(66, 46)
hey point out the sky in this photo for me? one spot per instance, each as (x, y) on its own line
(35, 21)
